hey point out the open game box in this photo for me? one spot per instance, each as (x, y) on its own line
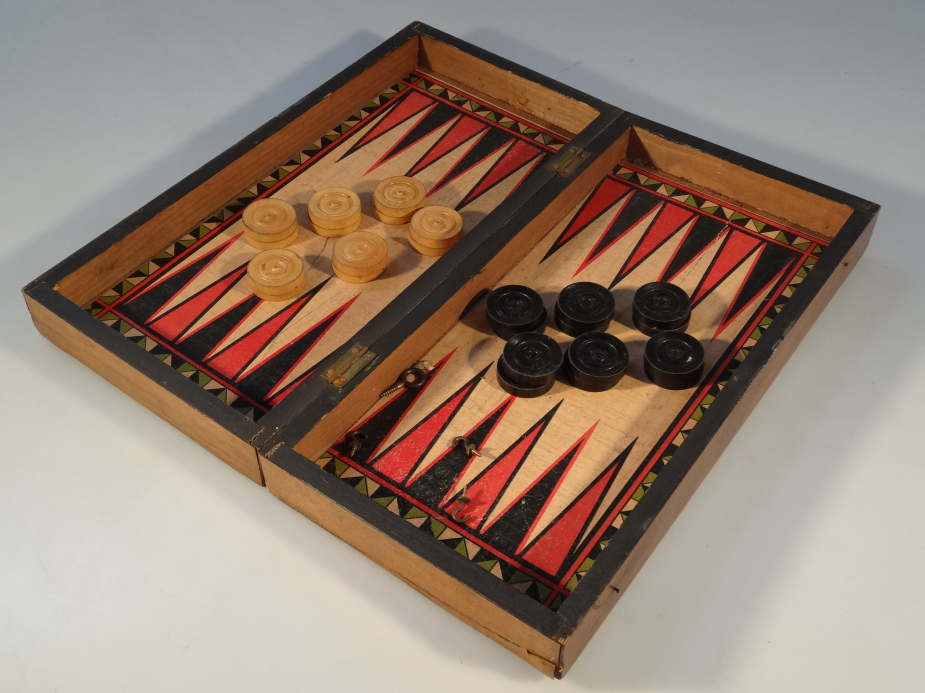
(527, 517)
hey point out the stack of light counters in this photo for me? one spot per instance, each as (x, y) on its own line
(276, 275)
(584, 307)
(334, 212)
(528, 364)
(395, 200)
(435, 229)
(595, 361)
(359, 257)
(270, 223)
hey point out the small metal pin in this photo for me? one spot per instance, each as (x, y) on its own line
(354, 441)
(412, 378)
(462, 500)
(392, 390)
(466, 445)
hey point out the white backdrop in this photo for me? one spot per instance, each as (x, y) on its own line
(130, 559)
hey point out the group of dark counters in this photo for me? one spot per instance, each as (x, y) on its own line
(595, 360)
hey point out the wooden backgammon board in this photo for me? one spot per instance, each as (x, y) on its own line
(372, 402)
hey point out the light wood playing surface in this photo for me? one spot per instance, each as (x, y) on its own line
(460, 157)
(631, 230)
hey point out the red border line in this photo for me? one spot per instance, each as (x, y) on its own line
(493, 109)
(688, 411)
(755, 217)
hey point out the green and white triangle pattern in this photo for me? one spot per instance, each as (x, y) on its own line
(551, 141)
(498, 567)
(203, 380)
(735, 216)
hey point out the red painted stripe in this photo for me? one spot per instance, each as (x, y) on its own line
(400, 459)
(736, 247)
(178, 319)
(668, 222)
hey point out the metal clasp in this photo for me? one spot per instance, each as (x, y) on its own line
(349, 365)
(568, 162)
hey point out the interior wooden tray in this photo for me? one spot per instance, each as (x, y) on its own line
(573, 489)
(227, 368)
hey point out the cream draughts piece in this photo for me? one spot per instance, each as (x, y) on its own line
(396, 199)
(424, 250)
(334, 212)
(435, 228)
(270, 223)
(276, 275)
(359, 257)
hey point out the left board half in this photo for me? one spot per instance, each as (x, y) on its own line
(161, 305)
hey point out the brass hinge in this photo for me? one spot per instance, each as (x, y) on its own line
(569, 161)
(348, 365)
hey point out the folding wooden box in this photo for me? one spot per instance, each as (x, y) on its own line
(532, 541)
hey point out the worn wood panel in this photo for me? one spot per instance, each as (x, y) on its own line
(214, 437)
(523, 94)
(464, 603)
(780, 201)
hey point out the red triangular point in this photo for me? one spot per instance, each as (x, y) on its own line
(215, 252)
(605, 196)
(430, 379)
(727, 318)
(178, 319)
(552, 547)
(450, 176)
(234, 358)
(514, 158)
(397, 462)
(574, 450)
(668, 222)
(505, 405)
(600, 248)
(411, 105)
(461, 131)
(392, 153)
(486, 488)
(734, 250)
(331, 318)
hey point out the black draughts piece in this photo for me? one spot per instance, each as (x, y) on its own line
(595, 361)
(584, 307)
(674, 360)
(659, 306)
(514, 309)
